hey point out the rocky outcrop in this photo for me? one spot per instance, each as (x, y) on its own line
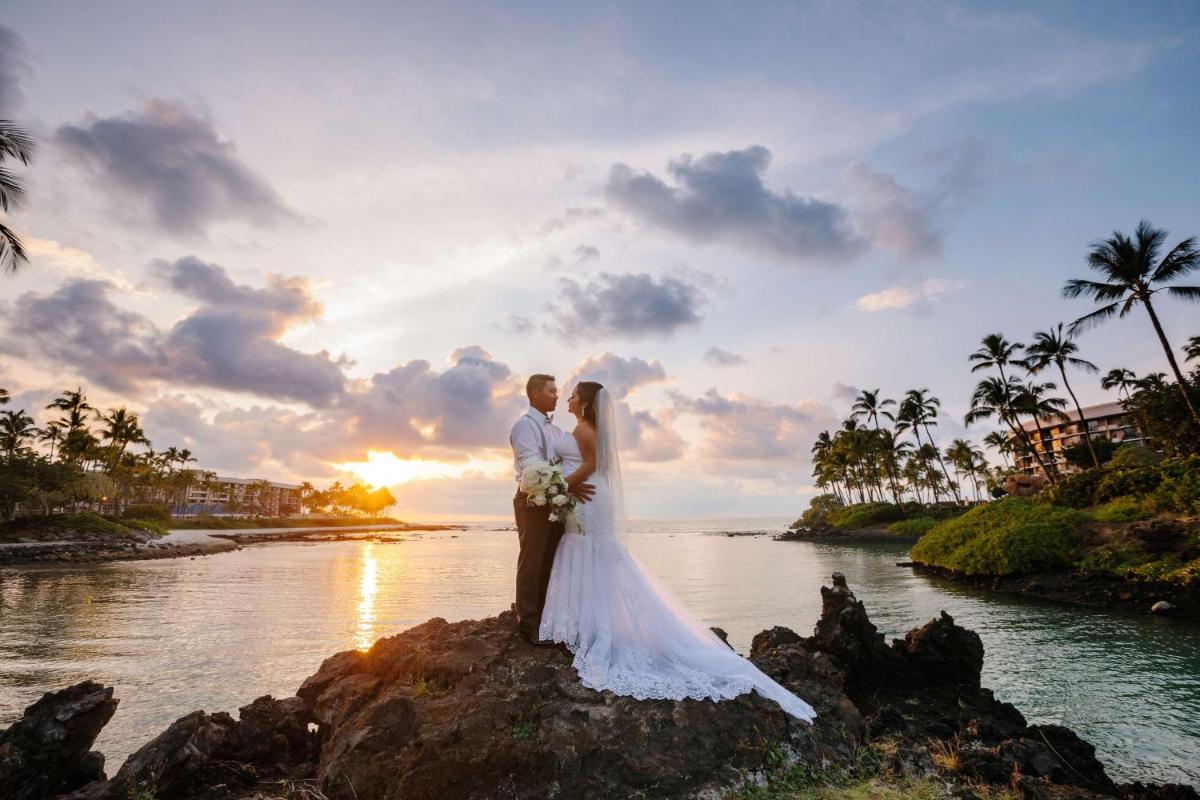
(469, 710)
(49, 750)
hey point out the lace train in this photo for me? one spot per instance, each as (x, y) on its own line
(629, 635)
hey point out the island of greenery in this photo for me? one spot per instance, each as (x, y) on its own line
(1117, 523)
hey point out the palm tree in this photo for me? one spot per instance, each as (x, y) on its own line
(75, 404)
(1191, 349)
(15, 428)
(962, 457)
(1055, 347)
(922, 409)
(1034, 399)
(1120, 379)
(123, 430)
(1134, 273)
(3, 397)
(1000, 443)
(996, 351)
(994, 398)
(54, 434)
(869, 405)
(14, 143)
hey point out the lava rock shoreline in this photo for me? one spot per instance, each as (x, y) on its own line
(469, 710)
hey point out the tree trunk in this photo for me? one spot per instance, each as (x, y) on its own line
(1087, 434)
(1180, 382)
(942, 464)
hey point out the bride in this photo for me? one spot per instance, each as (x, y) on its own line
(629, 634)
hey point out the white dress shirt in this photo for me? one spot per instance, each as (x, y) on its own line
(532, 439)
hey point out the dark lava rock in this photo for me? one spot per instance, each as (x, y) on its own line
(48, 751)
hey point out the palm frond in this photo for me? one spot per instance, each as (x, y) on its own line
(15, 143)
(11, 191)
(1182, 259)
(12, 252)
(1191, 293)
(1093, 319)
(1101, 292)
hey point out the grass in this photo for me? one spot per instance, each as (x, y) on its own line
(1121, 509)
(523, 730)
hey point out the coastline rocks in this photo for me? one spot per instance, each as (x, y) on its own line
(1023, 485)
(48, 751)
(469, 710)
(1162, 607)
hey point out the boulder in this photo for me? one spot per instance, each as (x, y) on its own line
(48, 751)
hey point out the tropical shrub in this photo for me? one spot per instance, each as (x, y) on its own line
(1013, 535)
(1132, 455)
(1179, 492)
(159, 512)
(864, 515)
(1080, 456)
(1075, 491)
(918, 526)
(1122, 509)
(818, 511)
(147, 525)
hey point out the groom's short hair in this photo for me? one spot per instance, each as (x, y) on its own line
(536, 383)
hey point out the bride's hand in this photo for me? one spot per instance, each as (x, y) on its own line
(583, 491)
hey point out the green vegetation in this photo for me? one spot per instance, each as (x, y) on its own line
(1170, 485)
(1122, 509)
(73, 525)
(868, 779)
(918, 526)
(865, 515)
(523, 730)
(1012, 535)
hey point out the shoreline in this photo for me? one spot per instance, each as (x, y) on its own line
(190, 543)
(846, 536)
(1091, 590)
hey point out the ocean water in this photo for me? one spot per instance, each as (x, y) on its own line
(216, 632)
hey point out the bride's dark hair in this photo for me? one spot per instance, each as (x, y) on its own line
(587, 391)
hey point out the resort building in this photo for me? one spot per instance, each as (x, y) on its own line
(1105, 421)
(224, 495)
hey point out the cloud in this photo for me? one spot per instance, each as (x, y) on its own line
(517, 324)
(891, 215)
(843, 391)
(741, 428)
(229, 342)
(643, 435)
(720, 197)
(631, 305)
(570, 217)
(13, 67)
(586, 252)
(71, 260)
(472, 403)
(172, 165)
(722, 358)
(621, 376)
(895, 297)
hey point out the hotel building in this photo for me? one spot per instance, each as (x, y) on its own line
(218, 494)
(1105, 421)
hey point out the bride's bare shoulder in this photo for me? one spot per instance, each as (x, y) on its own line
(585, 432)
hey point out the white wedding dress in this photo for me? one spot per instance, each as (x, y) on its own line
(628, 633)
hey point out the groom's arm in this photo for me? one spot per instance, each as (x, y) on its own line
(526, 443)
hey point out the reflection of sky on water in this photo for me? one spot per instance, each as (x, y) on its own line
(216, 632)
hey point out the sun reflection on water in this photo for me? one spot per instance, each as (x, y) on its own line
(364, 635)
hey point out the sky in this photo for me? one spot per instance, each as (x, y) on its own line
(314, 241)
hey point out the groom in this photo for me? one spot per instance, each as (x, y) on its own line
(533, 437)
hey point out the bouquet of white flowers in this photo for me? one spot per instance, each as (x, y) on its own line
(545, 484)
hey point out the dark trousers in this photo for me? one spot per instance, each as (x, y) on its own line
(539, 540)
